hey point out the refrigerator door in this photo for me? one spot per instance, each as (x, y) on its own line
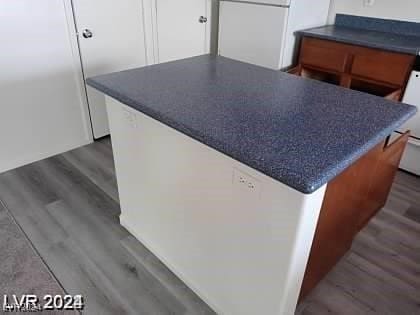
(252, 33)
(412, 96)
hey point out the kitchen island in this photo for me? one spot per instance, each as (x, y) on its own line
(224, 168)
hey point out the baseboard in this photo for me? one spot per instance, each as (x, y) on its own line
(41, 156)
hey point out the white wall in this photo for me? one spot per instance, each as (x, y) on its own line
(43, 108)
(407, 10)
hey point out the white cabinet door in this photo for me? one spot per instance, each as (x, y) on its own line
(179, 30)
(43, 108)
(252, 33)
(270, 2)
(116, 43)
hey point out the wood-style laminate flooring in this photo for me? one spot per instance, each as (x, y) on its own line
(68, 207)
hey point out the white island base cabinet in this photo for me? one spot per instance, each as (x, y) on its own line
(236, 237)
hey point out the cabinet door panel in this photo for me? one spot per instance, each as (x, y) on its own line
(179, 30)
(382, 66)
(323, 54)
(347, 202)
(339, 218)
(117, 43)
(384, 174)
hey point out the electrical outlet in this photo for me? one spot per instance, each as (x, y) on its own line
(368, 3)
(129, 117)
(246, 183)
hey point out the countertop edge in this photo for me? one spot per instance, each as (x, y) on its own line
(364, 149)
(308, 187)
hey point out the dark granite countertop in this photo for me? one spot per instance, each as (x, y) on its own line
(373, 39)
(391, 35)
(298, 131)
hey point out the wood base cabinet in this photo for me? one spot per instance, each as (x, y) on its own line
(357, 194)
(351, 199)
(373, 71)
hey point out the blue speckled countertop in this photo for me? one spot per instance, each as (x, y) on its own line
(298, 131)
(391, 35)
(373, 39)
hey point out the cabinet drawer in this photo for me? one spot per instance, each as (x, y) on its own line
(319, 75)
(376, 89)
(382, 66)
(323, 54)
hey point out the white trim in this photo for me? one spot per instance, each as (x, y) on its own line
(150, 38)
(155, 31)
(259, 3)
(209, 24)
(41, 156)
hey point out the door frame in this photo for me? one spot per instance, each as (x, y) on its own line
(78, 68)
(151, 30)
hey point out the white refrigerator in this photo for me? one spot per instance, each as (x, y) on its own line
(261, 32)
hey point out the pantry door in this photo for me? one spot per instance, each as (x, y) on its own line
(111, 38)
(183, 28)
